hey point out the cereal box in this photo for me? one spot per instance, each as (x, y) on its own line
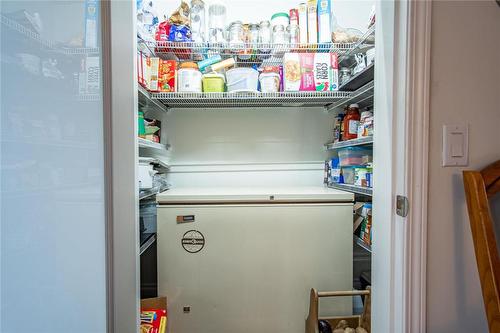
(303, 22)
(310, 71)
(312, 21)
(167, 75)
(324, 21)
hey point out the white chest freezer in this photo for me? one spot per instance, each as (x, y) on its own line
(244, 260)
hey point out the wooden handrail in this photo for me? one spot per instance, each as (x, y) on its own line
(479, 186)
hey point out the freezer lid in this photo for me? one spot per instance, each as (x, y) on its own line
(254, 195)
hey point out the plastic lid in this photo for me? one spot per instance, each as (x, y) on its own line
(214, 75)
(354, 106)
(280, 14)
(188, 64)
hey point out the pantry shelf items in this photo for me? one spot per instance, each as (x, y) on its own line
(358, 80)
(245, 99)
(361, 243)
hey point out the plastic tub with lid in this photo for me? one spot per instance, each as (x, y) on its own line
(242, 79)
(189, 78)
(269, 82)
(213, 82)
(353, 156)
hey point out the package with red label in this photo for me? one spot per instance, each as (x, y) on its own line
(310, 71)
(153, 321)
(167, 75)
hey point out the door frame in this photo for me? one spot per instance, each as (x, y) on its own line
(400, 244)
(399, 249)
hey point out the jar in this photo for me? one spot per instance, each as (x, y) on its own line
(197, 17)
(345, 75)
(247, 51)
(351, 122)
(189, 78)
(216, 21)
(280, 19)
(279, 34)
(265, 36)
(236, 37)
(293, 35)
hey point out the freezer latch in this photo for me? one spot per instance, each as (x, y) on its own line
(402, 206)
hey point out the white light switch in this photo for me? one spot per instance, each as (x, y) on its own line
(455, 145)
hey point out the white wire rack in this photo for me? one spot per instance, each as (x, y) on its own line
(363, 97)
(366, 140)
(366, 41)
(48, 45)
(257, 99)
(243, 53)
(352, 188)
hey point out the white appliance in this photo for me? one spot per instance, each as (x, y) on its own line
(241, 260)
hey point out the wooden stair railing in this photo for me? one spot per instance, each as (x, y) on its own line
(480, 186)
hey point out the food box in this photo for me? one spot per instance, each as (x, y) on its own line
(151, 73)
(91, 28)
(310, 71)
(167, 75)
(154, 315)
(303, 22)
(324, 21)
(140, 68)
(312, 21)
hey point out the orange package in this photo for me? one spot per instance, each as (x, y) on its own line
(167, 75)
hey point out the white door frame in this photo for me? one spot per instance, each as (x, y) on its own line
(399, 249)
(401, 163)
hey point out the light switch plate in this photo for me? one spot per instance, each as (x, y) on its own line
(455, 145)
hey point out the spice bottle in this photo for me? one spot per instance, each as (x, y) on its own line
(351, 122)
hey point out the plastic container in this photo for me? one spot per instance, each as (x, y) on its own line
(347, 176)
(213, 82)
(242, 79)
(354, 156)
(269, 82)
(189, 78)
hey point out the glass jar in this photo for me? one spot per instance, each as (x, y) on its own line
(216, 21)
(279, 34)
(197, 16)
(293, 35)
(345, 75)
(265, 36)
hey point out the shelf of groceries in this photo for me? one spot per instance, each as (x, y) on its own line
(292, 58)
(364, 140)
(352, 188)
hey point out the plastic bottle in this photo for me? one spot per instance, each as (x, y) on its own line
(351, 122)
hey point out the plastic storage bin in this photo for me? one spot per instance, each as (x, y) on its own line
(352, 156)
(242, 79)
(213, 82)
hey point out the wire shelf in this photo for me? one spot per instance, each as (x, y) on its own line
(46, 44)
(366, 41)
(367, 140)
(361, 243)
(352, 188)
(260, 54)
(257, 99)
(363, 97)
(146, 102)
(143, 143)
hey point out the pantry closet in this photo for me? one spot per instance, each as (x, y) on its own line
(225, 111)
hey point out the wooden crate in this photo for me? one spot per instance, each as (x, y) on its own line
(362, 320)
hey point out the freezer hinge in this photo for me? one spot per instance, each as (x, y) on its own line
(402, 205)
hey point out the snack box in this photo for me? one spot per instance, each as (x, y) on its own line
(151, 73)
(310, 71)
(303, 22)
(324, 21)
(312, 21)
(167, 75)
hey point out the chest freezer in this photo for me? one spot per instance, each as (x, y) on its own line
(244, 260)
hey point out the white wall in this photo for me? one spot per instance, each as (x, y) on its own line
(248, 147)
(465, 89)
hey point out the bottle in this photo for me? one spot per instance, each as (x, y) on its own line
(351, 122)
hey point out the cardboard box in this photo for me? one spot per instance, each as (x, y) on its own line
(154, 303)
(312, 21)
(93, 74)
(153, 64)
(310, 71)
(154, 315)
(167, 75)
(324, 21)
(303, 22)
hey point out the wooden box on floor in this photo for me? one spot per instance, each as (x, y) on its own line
(354, 321)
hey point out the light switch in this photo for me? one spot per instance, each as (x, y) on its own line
(455, 145)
